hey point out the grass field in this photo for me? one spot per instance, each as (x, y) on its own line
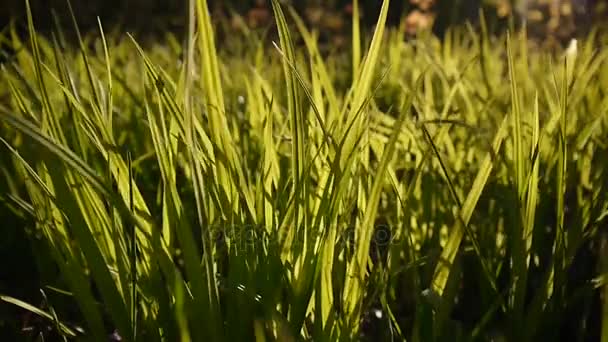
(193, 189)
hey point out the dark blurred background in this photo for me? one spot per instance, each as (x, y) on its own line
(559, 19)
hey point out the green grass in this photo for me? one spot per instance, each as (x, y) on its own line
(418, 190)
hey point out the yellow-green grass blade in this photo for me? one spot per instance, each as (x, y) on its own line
(299, 254)
(319, 69)
(69, 266)
(97, 104)
(357, 267)
(561, 178)
(362, 84)
(117, 166)
(532, 197)
(109, 99)
(201, 272)
(216, 111)
(444, 306)
(180, 116)
(297, 121)
(50, 119)
(452, 246)
(327, 138)
(108, 287)
(554, 279)
(71, 203)
(204, 304)
(64, 328)
(66, 155)
(356, 38)
(106, 133)
(517, 236)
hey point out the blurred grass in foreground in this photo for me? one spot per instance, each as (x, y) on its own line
(417, 190)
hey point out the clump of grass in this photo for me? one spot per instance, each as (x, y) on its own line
(451, 191)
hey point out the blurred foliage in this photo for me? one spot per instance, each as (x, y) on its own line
(560, 19)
